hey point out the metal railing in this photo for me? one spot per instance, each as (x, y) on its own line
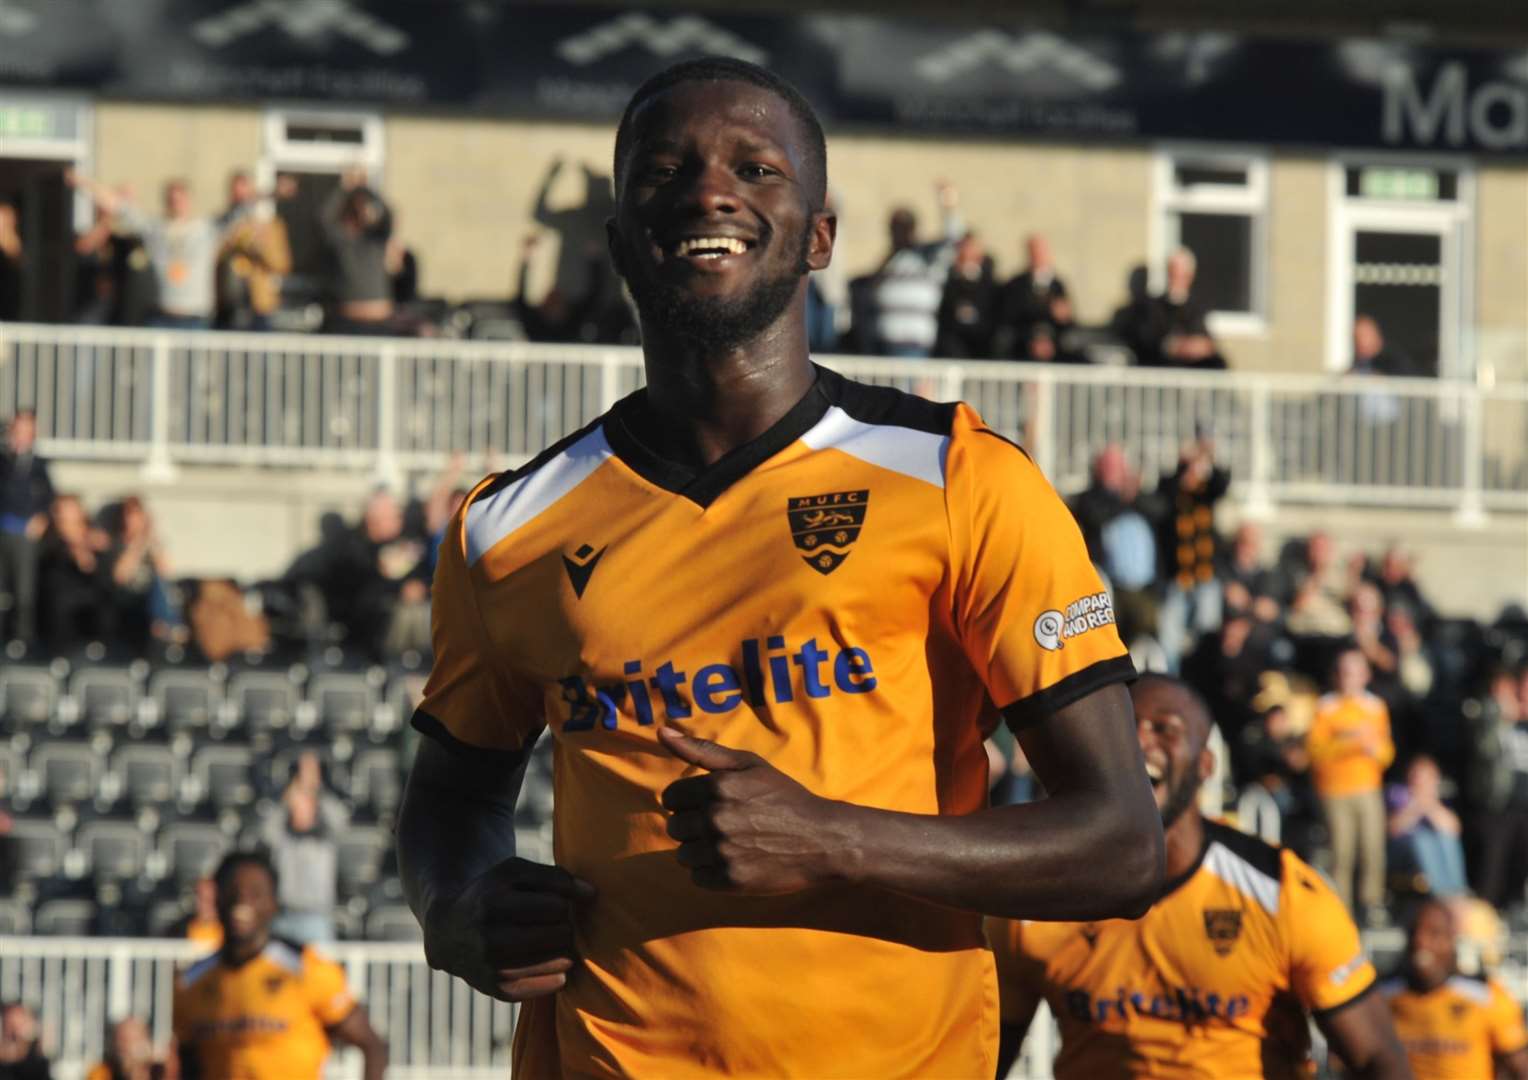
(395, 405)
(436, 1026)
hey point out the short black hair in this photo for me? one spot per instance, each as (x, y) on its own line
(730, 69)
(1195, 699)
(245, 857)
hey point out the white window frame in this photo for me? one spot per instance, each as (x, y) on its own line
(76, 151)
(281, 154)
(1252, 200)
(1453, 221)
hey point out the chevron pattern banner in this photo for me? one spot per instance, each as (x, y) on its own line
(867, 72)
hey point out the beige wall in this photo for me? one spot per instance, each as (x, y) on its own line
(466, 190)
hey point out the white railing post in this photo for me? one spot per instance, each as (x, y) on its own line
(119, 988)
(1042, 427)
(387, 472)
(952, 382)
(158, 466)
(610, 379)
(1258, 503)
(1471, 512)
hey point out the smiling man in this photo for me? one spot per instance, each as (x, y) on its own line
(1216, 979)
(768, 615)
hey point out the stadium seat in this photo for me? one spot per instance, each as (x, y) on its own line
(64, 918)
(10, 768)
(359, 852)
(376, 780)
(147, 774)
(185, 698)
(393, 923)
(264, 699)
(15, 920)
(344, 700)
(105, 696)
(68, 771)
(163, 918)
(39, 846)
(190, 850)
(28, 694)
(113, 848)
(223, 775)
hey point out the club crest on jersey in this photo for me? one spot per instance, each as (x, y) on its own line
(825, 527)
(1223, 927)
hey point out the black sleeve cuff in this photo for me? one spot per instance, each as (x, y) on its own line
(1044, 704)
(432, 728)
(1323, 1014)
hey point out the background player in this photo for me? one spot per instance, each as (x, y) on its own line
(261, 1008)
(1453, 1026)
(1212, 981)
(853, 818)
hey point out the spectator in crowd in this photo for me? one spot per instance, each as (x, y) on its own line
(1170, 330)
(1248, 585)
(558, 317)
(1366, 611)
(203, 927)
(904, 295)
(402, 268)
(1192, 601)
(1226, 666)
(114, 279)
(21, 1056)
(74, 578)
(140, 574)
(95, 286)
(1316, 587)
(1370, 356)
(1424, 833)
(12, 265)
(969, 310)
(130, 1055)
(300, 834)
(827, 299)
(1035, 309)
(26, 492)
(1499, 786)
(1350, 748)
(1394, 578)
(357, 225)
(255, 255)
(182, 248)
(1117, 527)
(1270, 753)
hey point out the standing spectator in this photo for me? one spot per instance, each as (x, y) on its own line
(968, 312)
(1350, 748)
(402, 268)
(1035, 305)
(12, 265)
(140, 573)
(357, 225)
(1424, 833)
(74, 579)
(130, 1055)
(904, 295)
(26, 492)
(21, 1056)
(300, 834)
(183, 250)
(1192, 603)
(1398, 586)
(1366, 611)
(1170, 330)
(1248, 585)
(95, 287)
(559, 317)
(256, 253)
(1370, 356)
(1499, 786)
(1121, 540)
(1315, 589)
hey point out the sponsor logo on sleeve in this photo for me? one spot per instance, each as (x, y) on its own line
(1053, 628)
(1346, 971)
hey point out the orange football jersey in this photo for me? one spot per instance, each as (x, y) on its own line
(1455, 1031)
(266, 1019)
(1340, 738)
(848, 596)
(1213, 982)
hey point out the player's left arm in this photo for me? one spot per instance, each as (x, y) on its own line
(356, 1030)
(1362, 1034)
(1509, 1037)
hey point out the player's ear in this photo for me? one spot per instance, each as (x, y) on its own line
(613, 245)
(824, 230)
(1206, 764)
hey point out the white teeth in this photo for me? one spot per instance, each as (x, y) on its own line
(1153, 773)
(711, 244)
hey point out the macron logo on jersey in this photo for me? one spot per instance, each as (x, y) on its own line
(769, 673)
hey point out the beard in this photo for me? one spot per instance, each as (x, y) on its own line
(1180, 796)
(715, 323)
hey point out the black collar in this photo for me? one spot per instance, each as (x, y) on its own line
(632, 417)
(1173, 884)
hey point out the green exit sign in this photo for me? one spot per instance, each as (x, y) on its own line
(22, 122)
(1398, 184)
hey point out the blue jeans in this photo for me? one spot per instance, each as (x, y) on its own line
(1440, 858)
(1185, 614)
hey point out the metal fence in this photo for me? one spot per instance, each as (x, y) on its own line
(392, 406)
(436, 1026)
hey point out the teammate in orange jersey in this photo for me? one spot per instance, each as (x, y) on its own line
(1453, 1027)
(1216, 979)
(261, 1008)
(766, 613)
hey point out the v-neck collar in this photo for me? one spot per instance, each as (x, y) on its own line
(704, 485)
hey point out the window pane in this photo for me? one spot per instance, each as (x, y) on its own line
(324, 133)
(1222, 244)
(1190, 174)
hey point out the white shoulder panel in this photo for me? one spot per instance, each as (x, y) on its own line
(515, 505)
(1234, 870)
(918, 454)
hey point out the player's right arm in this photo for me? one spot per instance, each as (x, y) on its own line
(499, 922)
(1509, 1037)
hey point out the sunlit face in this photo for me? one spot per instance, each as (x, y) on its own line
(714, 229)
(69, 520)
(177, 200)
(1172, 742)
(247, 904)
(1430, 950)
(1352, 672)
